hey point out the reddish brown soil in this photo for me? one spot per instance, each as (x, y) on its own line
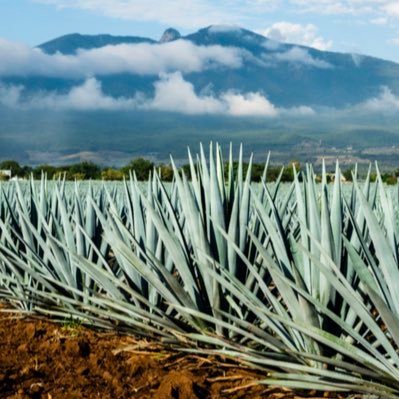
(43, 360)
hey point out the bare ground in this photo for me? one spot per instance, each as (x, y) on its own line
(44, 360)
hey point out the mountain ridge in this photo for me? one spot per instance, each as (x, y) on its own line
(297, 101)
(92, 41)
(69, 44)
(290, 75)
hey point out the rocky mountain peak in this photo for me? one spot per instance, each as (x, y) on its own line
(169, 35)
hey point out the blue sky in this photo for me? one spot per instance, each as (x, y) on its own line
(358, 26)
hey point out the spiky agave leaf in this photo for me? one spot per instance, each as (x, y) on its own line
(299, 281)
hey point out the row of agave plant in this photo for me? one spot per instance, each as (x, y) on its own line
(300, 281)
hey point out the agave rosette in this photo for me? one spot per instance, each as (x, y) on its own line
(298, 279)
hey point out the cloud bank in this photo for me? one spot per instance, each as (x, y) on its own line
(196, 13)
(142, 59)
(187, 14)
(172, 94)
(387, 103)
(388, 8)
(175, 94)
(297, 56)
(88, 96)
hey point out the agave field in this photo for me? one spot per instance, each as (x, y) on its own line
(299, 280)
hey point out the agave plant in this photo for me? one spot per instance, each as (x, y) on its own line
(300, 280)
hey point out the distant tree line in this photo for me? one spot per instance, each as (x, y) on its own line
(142, 168)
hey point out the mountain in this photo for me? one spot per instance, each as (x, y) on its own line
(69, 44)
(220, 83)
(296, 75)
(289, 75)
(169, 35)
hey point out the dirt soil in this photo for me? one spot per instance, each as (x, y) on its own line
(43, 360)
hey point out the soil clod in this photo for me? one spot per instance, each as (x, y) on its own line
(44, 360)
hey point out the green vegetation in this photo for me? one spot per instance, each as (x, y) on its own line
(14, 166)
(299, 280)
(71, 327)
(142, 168)
(110, 174)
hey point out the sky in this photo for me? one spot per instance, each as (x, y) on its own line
(368, 27)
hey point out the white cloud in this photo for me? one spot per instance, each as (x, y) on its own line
(88, 96)
(392, 8)
(199, 13)
(306, 35)
(379, 8)
(302, 110)
(379, 21)
(298, 56)
(144, 59)
(10, 95)
(386, 102)
(357, 59)
(172, 94)
(271, 45)
(186, 14)
(395, 41)
(249, 104)
(329, 6)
